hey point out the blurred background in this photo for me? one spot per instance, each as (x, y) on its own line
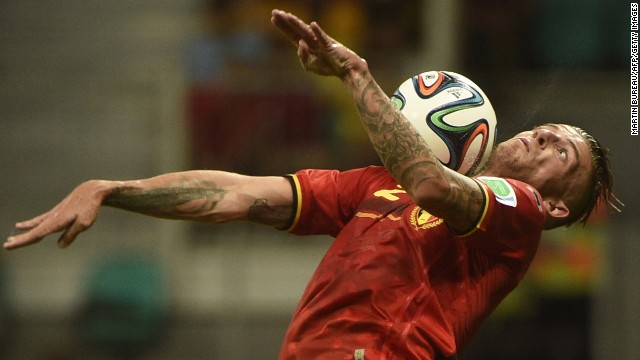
(131, 89)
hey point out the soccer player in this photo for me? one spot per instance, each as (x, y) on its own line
(422, 254)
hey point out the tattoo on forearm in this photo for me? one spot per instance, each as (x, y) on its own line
(419, 172)
(395, 141)
(278, 216)
(201, 198)
(404, 152)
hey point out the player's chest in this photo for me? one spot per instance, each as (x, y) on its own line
(391, 212)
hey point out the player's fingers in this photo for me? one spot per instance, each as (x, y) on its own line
(303, 52)
(17, 241)
(47, 226)
(287, 22)
(31, 223)
(70, 234)
(293, 39)
(291, 26)
(324, 39)
(278, 20)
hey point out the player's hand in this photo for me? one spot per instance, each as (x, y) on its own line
(73, 215)
(318, 52)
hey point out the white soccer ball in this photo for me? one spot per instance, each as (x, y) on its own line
(453, 115)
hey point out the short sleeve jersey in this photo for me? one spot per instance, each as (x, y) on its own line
(397, 283)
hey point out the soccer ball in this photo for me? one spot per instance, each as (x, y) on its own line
(453, 115)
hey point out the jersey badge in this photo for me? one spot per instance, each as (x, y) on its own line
(422, 220)
(502, 189)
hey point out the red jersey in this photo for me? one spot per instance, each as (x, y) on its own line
(397, 283)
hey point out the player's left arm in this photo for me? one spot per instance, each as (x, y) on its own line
(199, 195)
(442, 192)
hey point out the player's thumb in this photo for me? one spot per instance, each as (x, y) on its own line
(70, 234)
(303, 53)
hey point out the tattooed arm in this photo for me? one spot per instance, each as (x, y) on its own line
(210, 196)
(440, 191)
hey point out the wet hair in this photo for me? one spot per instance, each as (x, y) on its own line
(599, 192)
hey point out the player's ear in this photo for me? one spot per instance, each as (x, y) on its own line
(556, 209)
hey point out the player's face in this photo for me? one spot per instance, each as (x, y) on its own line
(554, 159)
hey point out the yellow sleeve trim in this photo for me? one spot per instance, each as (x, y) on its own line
(297, 198)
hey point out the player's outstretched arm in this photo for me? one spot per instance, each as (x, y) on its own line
(437, 189)
(318, 53)
(209, 196)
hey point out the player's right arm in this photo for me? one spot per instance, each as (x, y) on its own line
(439, 190)
(208, 196)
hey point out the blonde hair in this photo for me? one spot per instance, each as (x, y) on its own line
(600, 190)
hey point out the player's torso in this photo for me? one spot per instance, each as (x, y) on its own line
(396, 283)
(375, 280)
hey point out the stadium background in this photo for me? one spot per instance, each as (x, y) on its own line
(131, 89)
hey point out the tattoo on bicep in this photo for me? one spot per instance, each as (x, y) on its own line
(278, 216)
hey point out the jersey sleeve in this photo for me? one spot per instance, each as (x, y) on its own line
(327, 199)
(512, 221)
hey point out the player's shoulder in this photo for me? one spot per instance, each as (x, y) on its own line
(353, 183)
(513, 193)
(513, 217)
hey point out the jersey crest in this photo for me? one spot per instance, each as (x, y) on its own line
(422, 220)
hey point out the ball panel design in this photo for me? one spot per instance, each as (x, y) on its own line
(453, 115)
